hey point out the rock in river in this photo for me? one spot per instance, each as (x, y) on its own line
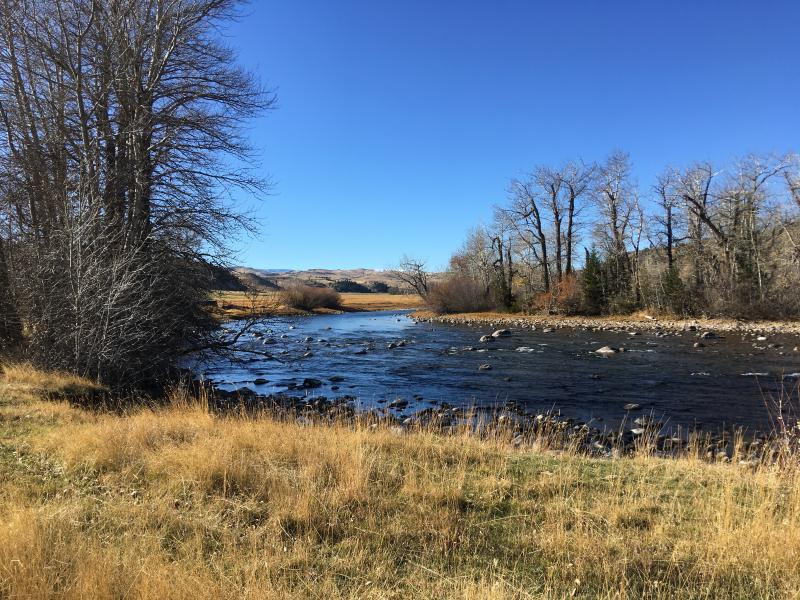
(632, 406)
(501, 333)
(485, 367)
(310, 382)
(486, 338)
(606, 350)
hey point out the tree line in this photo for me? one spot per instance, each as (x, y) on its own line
(121, 141)
(587, 238)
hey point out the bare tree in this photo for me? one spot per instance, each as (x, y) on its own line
(525, 217)
(578, 179)
(503, 264)
(122, 139)
(616, 199)
(735, 209)
(412, 273)
(792, 213)
(668, 218)
(475, 258)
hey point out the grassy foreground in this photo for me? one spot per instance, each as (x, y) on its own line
(176, 502)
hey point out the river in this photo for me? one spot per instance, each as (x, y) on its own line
(379, 357)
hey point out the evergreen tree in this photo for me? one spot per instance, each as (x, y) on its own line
(594, 296)
(674, 290)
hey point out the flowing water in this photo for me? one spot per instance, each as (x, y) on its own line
(384, 356)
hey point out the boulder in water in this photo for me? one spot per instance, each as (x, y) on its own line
(606, 350)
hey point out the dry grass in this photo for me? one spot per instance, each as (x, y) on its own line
(177, 502)
(241, 304)
(367, 302)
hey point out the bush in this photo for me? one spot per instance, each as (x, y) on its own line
(349, 286)
(379, 287)
(564, 297)
(305, 297)
(458, 294)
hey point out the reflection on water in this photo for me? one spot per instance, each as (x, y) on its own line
(379, 357)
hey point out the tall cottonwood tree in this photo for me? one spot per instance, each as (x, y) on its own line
(716, 240)
(544, 209)
(122, 139)
(526, 217)
(619, 228)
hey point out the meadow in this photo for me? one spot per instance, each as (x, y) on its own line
(172, 500)
(244, 304)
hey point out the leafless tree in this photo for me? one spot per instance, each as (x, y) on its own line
(578, 179)
(616, 199)
(732, 224)
(475, 258)
(668, 218)
(412, 274)
(122, 139)
(525, 215)
(503, 264)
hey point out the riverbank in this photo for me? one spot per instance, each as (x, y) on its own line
(181, 501)
(636, 322)
(239, 305)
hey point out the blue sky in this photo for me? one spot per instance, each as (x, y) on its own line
(400, 124)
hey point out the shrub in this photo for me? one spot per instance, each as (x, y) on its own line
(349, 286)
(305, 297)
(379, 287)
(458, 294)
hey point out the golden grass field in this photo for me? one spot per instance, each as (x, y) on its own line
(176, 502)
(243, 304)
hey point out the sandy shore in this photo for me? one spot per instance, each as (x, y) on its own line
(638, 321)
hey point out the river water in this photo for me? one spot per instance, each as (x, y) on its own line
(723, 384)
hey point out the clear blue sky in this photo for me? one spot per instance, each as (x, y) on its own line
(400, 123)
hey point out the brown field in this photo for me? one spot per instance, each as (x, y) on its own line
(243, 304)
(367, 302)
(177, 502)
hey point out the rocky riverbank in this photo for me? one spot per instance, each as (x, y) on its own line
(510, 422)
(636, 322)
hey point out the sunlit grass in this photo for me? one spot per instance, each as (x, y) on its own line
(179, 502)
(242, 304)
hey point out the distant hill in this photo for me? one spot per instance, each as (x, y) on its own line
(226, 280)
(255, 278)
(283, 277)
